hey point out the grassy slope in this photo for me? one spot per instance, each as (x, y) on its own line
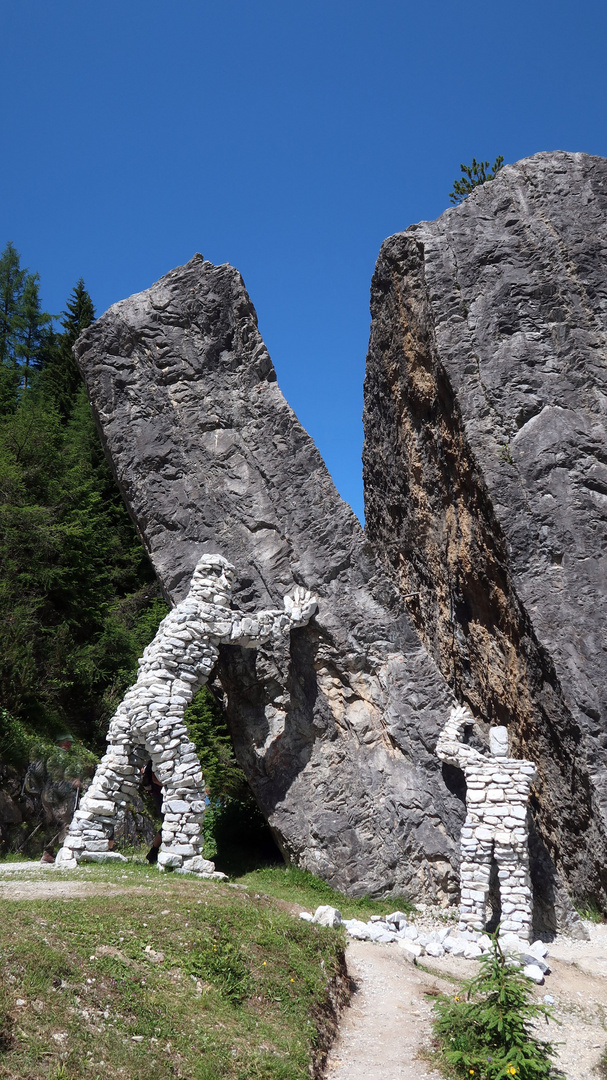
(234, 986)
(308, 891)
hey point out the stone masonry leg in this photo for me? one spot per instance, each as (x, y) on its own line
(114, 783)
(183, 802)
(474, 880)
(515, 888)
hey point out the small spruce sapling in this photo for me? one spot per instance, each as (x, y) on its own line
(485, 1032)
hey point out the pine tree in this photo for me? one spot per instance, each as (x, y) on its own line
(31, 323)
(61, 379)
(12, 281)
(78, 600)
(479, 172)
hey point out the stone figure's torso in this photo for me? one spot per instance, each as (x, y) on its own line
(498, 791)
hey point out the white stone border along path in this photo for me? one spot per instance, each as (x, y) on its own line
(397, 929)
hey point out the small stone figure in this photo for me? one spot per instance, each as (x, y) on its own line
(149, 724)
(495, 827)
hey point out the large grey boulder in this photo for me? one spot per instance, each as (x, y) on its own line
(485, 467)
(336, 730)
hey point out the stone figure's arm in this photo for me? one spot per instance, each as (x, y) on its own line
(449, 747)
(252, 630)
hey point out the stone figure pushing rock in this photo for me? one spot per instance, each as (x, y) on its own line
(495, 828)
(149, 722)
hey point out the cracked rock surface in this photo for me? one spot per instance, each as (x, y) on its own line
(485, 468)
(336, 726)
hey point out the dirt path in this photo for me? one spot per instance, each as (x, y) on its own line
(388, 1021)
(37, 881)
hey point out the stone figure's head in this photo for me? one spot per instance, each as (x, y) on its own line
(212, 580)
(498, 742)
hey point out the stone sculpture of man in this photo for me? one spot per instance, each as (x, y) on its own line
(149, 723)
(495, 827)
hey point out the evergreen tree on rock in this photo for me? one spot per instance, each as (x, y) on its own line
(61, 380)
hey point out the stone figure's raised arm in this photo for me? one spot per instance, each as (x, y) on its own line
(255, 629)
(449, 747)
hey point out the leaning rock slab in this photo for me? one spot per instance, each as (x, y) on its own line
(335, 731)
(486, 473)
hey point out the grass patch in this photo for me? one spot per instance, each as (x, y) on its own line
(589, 909)
(172, 978)
(301, 887)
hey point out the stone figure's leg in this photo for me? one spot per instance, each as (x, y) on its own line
(114, 782)
(512, 857)
(175, 763)
(183, 806)
(124, 830)
(475, 871)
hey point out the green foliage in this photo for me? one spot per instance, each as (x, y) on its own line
(484, 1032)
(22, 326)
(218, 960)
(479, 172)
(60, 379)
(588, 908)
(208, 731)
(78, 600)
(18, 744)
(234, 828)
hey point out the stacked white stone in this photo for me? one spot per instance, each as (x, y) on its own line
(149, 721)
(495, 828)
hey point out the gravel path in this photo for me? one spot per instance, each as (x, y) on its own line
(388, 1020)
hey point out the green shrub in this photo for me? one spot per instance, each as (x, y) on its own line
(18, 744)
(484, 1032)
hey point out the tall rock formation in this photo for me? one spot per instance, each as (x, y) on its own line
(336, 732)
(485, 468)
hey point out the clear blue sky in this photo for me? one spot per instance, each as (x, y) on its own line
(286, 138)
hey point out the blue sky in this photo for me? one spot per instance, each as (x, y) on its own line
(286, 138)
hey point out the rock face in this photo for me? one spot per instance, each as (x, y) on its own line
(485, 468)
(336, 727)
